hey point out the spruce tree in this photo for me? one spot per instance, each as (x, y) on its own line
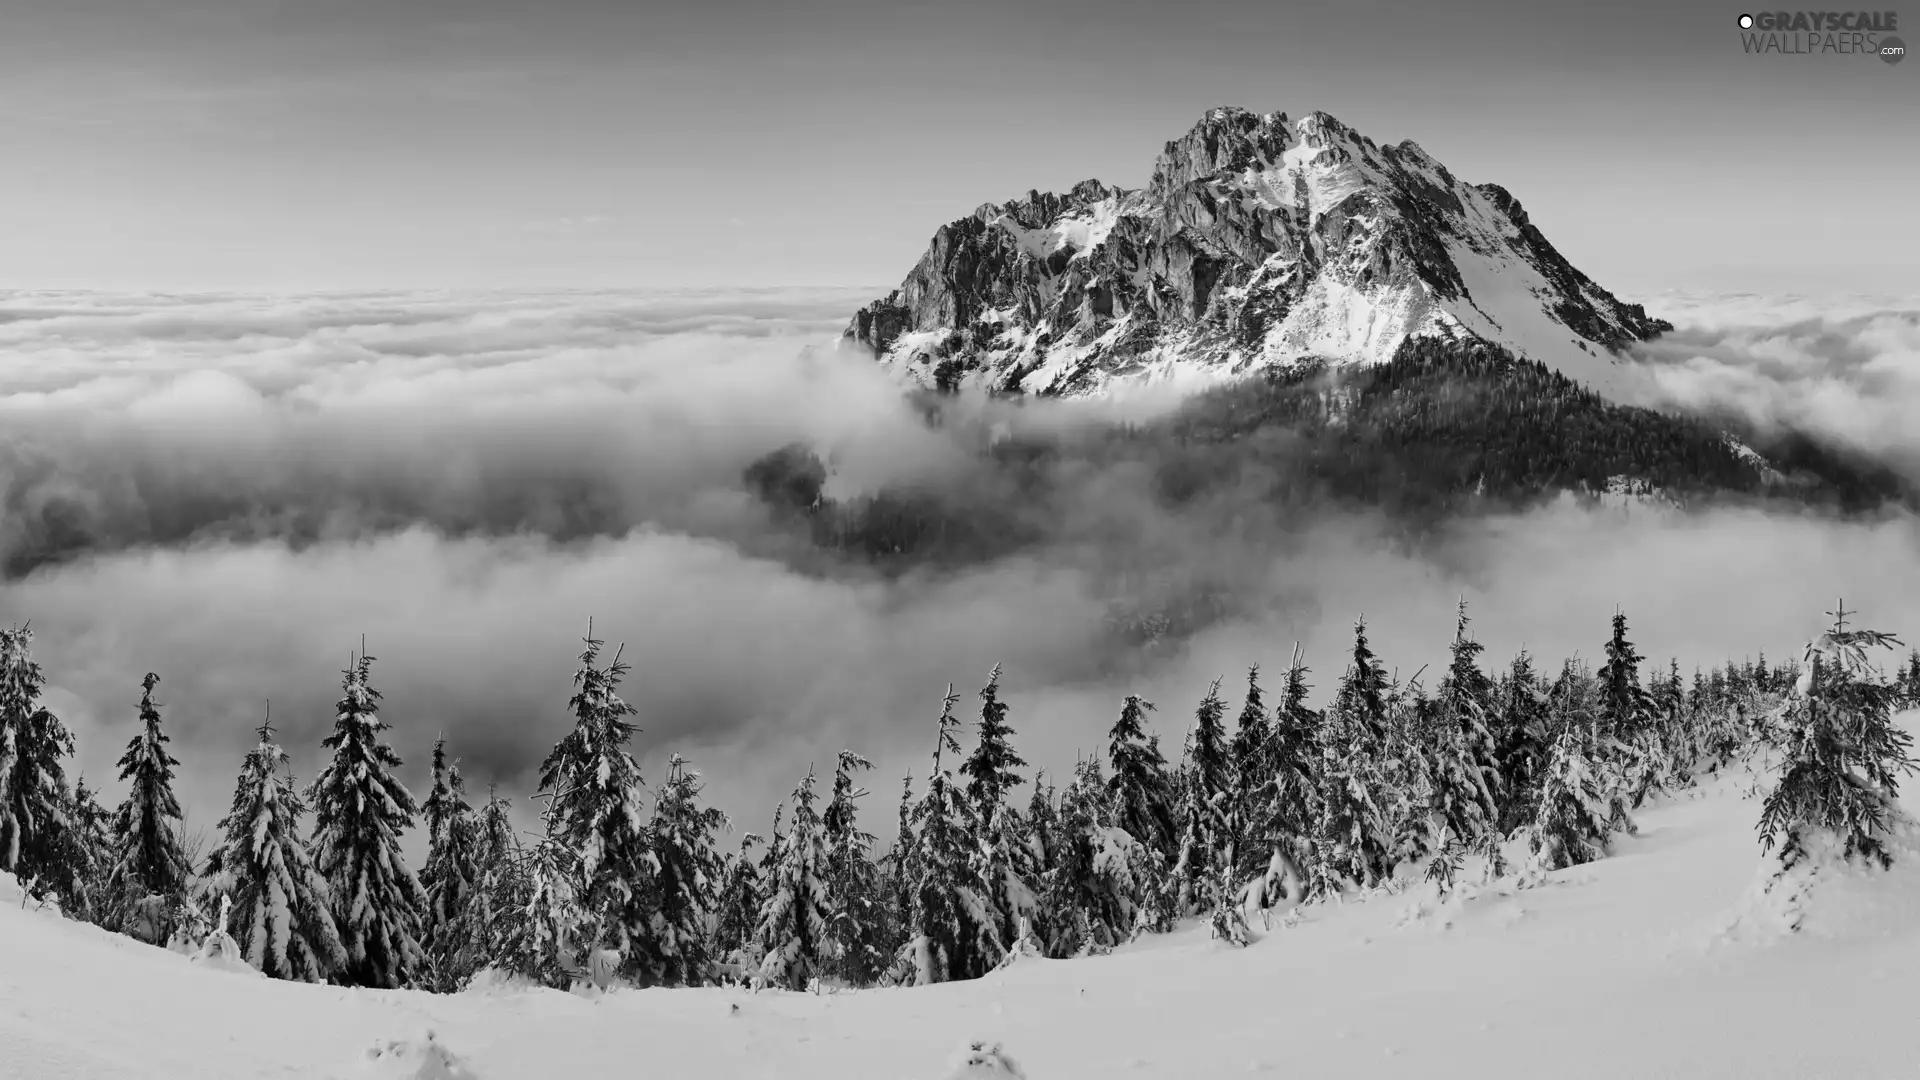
(1251, 753)
(282, 908)
(499, 898)
(796, 915)
(452, 875)
(33, 787)
(1294, 756)
(852, 887)
(737, 919)
(1352, 833)
(1843, 755)
(1627, 715)
(1463, 806)
(87, 858)
(360, 809)
(1141, 795)
(1002, 871)
(1204, 836)
(148, 856)
(687, 879)
(1583, 787)
(954, 934)
(594, 787)
(1523, 741)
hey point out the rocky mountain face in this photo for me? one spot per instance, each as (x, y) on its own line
(1260, 240)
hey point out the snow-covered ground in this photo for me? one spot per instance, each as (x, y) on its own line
(1623, 968)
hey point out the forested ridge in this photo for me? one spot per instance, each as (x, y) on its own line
(1444, 429)
(1264, 793)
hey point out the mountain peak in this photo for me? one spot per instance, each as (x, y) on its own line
(1259, 239)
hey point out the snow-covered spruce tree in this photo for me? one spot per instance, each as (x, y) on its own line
(33, 785)
(1002, 870)
(1040, 836)
(595, 788)
(148, 856)
(360, 808)
(1352, 836)
(687, 882)
(499, 895)
(1461, 765)
(1203, 818)
(852, 884)
(1628, 718)
(546, 935)
(1139, 790)
(1085, 908)
(1291, 808)
(282, 911)
(1673, 733)
(954, 936)
(796, 914)
(1523, 741)
(1910, 682)
(737, 917)
(1583, 793)
(1842, 755)
(1251, 754)
(1142, 798)
(87, 856)
(451, 877)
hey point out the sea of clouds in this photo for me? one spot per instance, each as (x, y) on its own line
(231, 491)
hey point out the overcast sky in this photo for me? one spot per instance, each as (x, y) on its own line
(185, 144)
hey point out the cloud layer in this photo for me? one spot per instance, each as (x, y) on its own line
(230, 491)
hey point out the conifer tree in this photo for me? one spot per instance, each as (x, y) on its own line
(1627, 715)
(1352, 834)
(593, 786)
(1139, 790)
(795, 916)
(87, 858)
(547, 934)
(360, 809)
(148, 856)
(1583, 791)
(33, 786)
(499, 897)
(1001, 868)
(1462, 762)
(1251, 753)
(852, 887)
(738, 917)
(955, 936)
(1911, 681)
(1522, 739)
(1203, 823)
(1843, 755)
(687, 879)
(1294, 755)
(453, 873)
(282, 909)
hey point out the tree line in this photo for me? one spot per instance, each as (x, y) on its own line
(1283, 803)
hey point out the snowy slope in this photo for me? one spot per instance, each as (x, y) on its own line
(1259, 240)
(1618, 969)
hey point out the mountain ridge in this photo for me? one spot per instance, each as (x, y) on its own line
(1258, 240)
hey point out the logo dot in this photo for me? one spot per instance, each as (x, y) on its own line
(1746, 22)
(1892, 49)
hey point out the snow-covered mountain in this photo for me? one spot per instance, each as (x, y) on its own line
(1260, 239)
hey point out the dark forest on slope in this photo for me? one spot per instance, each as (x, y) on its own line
(1444, 429)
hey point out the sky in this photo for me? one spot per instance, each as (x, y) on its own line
(342, 144)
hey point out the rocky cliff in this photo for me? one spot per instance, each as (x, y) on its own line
(1259, 240)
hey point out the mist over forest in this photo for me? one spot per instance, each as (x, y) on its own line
(230, 491)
